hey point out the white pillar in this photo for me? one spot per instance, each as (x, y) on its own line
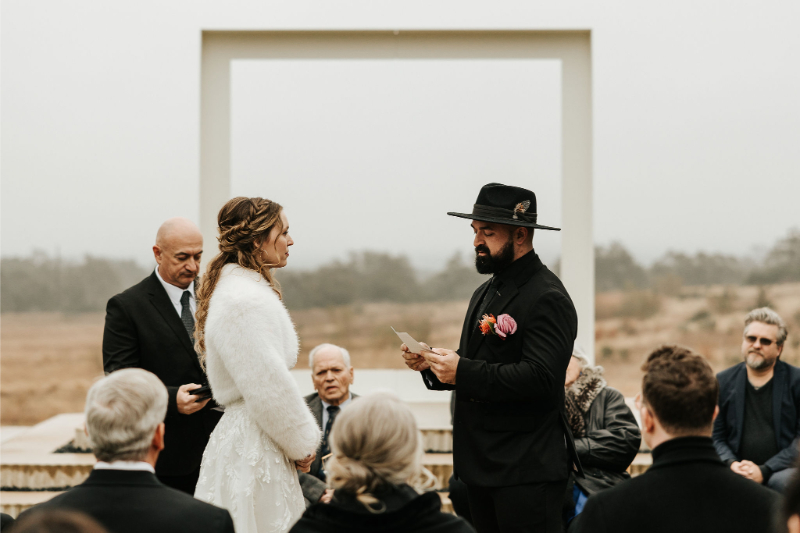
(571, 47)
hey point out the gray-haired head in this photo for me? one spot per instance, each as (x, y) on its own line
(765, 315)
(325, 346)
(123, 411)
(589, 372)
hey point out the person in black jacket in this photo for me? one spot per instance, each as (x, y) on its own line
(606, 434)
(150, 326)
(758, 428)
(687, 488)
(375, 471)
(511, 443)
(124, 422)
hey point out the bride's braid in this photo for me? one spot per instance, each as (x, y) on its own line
(243, 224)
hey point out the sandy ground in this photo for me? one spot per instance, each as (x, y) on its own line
(48, 361)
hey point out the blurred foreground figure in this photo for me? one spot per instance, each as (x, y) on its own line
(790, 515)
(124, 413)
(688, 488)
(332, 375)
(375, 471)
(57, 521)
(511, 443)
(151, 326)
(757, 430)
(606, 434)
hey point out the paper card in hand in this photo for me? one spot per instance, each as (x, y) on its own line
(413, 346)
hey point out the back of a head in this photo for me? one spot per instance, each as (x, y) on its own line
(123, 411)
(376, 441)
(681, 390)
(56, 521)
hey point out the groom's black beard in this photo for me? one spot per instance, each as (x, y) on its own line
(492, 264)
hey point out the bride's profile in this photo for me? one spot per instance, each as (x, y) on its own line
(248, 344)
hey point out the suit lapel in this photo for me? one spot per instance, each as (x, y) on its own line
(778, 384)
(162, 303)
(738, 398)
(504, 295)
(316, 410)
(466, 331)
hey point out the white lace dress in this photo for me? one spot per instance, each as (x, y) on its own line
(248, 465)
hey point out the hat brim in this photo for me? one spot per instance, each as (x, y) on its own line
(505, 221)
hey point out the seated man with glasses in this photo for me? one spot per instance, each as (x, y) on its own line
(757, 431)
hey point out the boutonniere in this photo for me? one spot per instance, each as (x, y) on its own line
(502, 326)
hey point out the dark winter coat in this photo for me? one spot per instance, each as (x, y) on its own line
(611, 442)
(405, 511)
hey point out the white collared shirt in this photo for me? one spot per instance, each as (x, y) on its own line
(125, 465)
(325, 405)
(175, 294)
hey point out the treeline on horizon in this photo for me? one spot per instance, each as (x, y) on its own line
(41, 283)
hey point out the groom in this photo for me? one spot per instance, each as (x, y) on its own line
(511, 445)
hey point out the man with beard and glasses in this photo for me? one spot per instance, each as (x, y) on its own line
(511, 443)
(757, 431)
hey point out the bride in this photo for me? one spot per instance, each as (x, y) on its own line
(248, 344)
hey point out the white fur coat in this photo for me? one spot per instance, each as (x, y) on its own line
(251, 345)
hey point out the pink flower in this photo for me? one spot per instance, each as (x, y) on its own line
(505, 326)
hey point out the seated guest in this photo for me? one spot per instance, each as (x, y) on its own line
(375, 470)
(57, 521)
(756, 432)
(332, 375)
(5, 521)
(688, 488)
(606, 434)
(124, 422)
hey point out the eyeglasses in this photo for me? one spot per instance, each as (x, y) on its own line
(763, 341)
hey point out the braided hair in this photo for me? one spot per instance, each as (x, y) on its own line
(243, 224)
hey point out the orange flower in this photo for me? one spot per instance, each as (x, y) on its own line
(487, 324)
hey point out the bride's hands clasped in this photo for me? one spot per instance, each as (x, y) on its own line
(304, 465)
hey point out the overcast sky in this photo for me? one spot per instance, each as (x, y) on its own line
(696, 125)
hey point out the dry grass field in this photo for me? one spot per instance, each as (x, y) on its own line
(48, 361)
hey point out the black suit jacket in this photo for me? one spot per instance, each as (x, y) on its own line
(143, 330)
(135, 502)
(688, 489)
(509, 426)
(785, 414)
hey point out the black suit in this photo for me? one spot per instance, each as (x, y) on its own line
(688, 489)
(144, 330)
(785, 415)
(310, 482)
(509, 427)
(136, 502)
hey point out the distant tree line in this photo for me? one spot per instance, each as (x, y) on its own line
(44, 283)
(615, 268)
(377, 277)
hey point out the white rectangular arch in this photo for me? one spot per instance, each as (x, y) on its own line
(571, 47)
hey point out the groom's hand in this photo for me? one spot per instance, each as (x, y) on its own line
(414, 361)
(444, 364)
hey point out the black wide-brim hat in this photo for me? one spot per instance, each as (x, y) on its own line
(505, 204)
